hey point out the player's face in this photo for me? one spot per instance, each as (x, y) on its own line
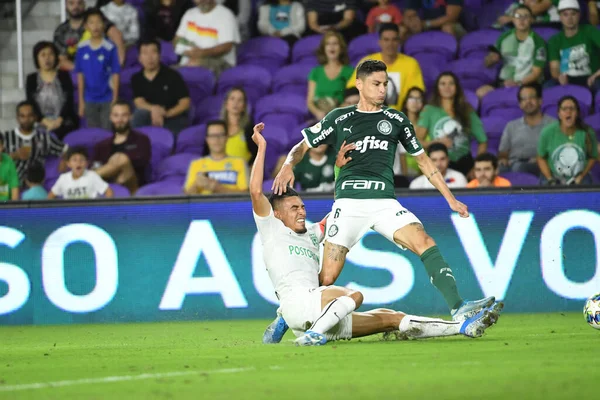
(567, 114)
(75, 8)
(26, 118)
(292, 213)
(373, 87)
(485, 173)
(235, 103)
(95, 25)
(414, 102)
(332, 48)
(78, 163)
(569, 18)
(389, 42)
(46, 59)
(529, 102)
(440, 160)
(120, 116)
(216, 139)
(149, 57)
(522, 19)
(447, 87)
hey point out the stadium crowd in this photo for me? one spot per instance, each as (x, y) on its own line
(159, 97)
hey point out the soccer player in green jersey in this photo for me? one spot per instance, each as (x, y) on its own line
(364, 191)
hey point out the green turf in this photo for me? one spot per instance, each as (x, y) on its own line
(541, 356)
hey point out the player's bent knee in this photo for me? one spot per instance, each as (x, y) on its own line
(357, 297)
(328, 279)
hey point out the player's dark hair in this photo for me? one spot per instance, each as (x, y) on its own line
(405, 102)
(36, 173)
(91, 12)
(487, 157)
(37, 49)
(388, 26)
(77, 150)
(523, 7)
(25, 103)
(368, 67)
(121, 102)
(460, 105)
(535, 86)
(148, 42)
(437, 147)
(276, 199)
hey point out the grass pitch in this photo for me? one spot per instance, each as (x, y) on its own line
(525, 356)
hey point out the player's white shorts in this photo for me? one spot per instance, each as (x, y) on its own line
(350, 219)
(303, 306)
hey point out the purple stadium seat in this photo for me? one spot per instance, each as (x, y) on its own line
(521, 178)
(304, 50)
(161, 140)
(494, 126)
(492, 143)
(546, 32)
(87, 137)
(597, 101)
(595, 172)
(255, 80)
(51, 167)
(267, 185)
(274, 151)
(200, 82)
(191, 140)
(119, 191)
(472, 99)
(432, 42)
(266, 51)
(208, 108)
(472, 73)
(289, 104)
(278, 133)
(125, 88)
(174, 167)
(131, 57)
(49, 182)
(432, 64)
(501, 102)
(594, 122)
(363, 45)
(552, 95)
(292, 79)
(167, 53)
(475, 44)
(166, 188)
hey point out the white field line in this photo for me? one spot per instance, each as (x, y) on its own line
(120, 378)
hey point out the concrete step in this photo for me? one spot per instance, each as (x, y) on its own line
(11, 66)
(30, 37)
(46, 9)
(30, 23)
(7, 124)
(9, 81)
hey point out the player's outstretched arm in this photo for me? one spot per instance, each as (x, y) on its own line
(285, 176)
(260, 203)
(437, 180)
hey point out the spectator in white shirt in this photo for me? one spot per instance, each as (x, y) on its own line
(125, 18)
(207, 36)
(79, 183)
(438, 153)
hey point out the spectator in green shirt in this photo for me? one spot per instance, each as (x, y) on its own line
(574, 52)
(316, 170)
(327, 82)
(522, 51)
(450, 119)
(567, 149)
(9, 180)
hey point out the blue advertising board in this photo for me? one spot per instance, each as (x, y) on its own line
(196, 260)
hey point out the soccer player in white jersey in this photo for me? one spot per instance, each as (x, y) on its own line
(364, 192)
(316, 313)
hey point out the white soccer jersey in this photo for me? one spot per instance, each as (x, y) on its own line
(292, 259)
(88, 186)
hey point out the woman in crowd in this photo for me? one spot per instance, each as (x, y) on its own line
(412, 107)
(236, 115)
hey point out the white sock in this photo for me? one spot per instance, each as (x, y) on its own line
(423, 327)
(333, 313)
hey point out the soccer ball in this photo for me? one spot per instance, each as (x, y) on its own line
(591, 311)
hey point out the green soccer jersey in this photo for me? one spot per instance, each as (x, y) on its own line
(316, 175)
(8, 176)
(370, 174)
(520, 57)
(439, 124)
(566, 155)
(579, 55)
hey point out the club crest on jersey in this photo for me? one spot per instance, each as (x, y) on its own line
(333, 230)
(314, 239)
(384, 127)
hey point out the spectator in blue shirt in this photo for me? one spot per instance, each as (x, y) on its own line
(35, 177)
(97, 66)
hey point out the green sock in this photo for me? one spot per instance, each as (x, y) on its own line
(441, 276)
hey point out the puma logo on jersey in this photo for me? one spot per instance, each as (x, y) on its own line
(370, 143)
(348, 129)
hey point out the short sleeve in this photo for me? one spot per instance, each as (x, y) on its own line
(312, 76)
(191, 176)
(594, 34)
(408, 138)
(593, 150)
(539, 57)
(78, 60)
(136, 85)
(58, 188)
(323, 132)
(424, 118)
(115, 65)
(228, 29)
(13, 177)
(182, 29)
(477, 128)
(543, 142)
(267, 226)
(180, 88)
(505, 139)
(553, 48)
(100, 186)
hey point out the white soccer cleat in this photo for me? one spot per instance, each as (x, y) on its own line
(311, 338)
